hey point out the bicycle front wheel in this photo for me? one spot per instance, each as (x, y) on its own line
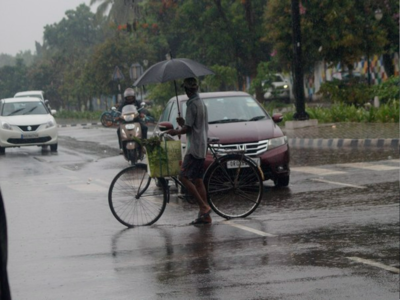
(134, 197)
(234, 186)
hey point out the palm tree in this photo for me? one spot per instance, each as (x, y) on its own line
(118, 11)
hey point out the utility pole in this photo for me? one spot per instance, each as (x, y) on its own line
(298, 75)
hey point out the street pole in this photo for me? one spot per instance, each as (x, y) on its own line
(298, 82)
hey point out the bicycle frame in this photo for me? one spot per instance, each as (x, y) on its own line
(216, 160)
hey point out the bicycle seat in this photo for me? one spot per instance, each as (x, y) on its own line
(212, 140)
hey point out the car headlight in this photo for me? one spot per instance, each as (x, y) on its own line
(276, 142)
(5, 125)
(285, 86)
(50, 124)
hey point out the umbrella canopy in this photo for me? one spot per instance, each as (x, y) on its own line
(175, 68)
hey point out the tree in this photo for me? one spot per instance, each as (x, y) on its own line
(214, 32)
(334, 31)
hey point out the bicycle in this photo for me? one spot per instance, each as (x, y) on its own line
(109, 118)
(233, 181)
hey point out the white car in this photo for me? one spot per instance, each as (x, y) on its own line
(26, 122)
(279, 89)
(35, 94)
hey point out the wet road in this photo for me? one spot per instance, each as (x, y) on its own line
(333, 234)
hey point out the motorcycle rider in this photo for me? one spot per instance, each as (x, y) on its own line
(129, 99)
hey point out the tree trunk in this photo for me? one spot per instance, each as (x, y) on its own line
(388, 64)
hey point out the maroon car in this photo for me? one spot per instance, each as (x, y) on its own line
(240, 123)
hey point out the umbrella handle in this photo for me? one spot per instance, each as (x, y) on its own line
(177, 101)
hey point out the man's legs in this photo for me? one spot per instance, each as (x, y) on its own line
(119, 140)
(144, 129)
(192, 171)
(198, 191)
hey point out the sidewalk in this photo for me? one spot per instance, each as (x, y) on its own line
(345, 135)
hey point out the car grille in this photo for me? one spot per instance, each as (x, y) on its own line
(250, 149)
(25, 128)
(30, 141)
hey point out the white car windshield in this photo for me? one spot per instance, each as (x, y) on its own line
(232, 109)
(129, 109)
(24, 108)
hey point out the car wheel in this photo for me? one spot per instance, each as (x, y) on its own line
(281, 181)
(2, 150)
(53, 147)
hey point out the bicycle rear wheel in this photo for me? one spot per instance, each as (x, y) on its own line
(234, 186)
(106, 120)
(134, 197)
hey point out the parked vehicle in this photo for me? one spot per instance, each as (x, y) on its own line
(279, 89)
(110, 118)
(36, 94)
(27, 122)
(240, 123)
(131, 132)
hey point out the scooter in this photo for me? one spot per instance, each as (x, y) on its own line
(131, 132)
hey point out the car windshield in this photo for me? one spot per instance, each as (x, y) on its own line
(232, 109)
(24, 108)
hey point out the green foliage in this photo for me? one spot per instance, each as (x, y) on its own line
(265, 74)
(161, 93)
(332, 31)
(78, 115)
(388, 90)
(340, 112)
(13, 79)
(349, 92)
(225, 78)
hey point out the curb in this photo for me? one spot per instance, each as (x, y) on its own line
(343, 143)
(76, 125)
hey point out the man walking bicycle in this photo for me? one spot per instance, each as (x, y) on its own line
(195, 126)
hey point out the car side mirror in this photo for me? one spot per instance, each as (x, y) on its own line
(53, 111)
(46, 101)
(164, 126)
(277, 117)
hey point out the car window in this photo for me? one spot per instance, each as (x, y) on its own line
(165, 115)
(174, 114)
(24, 108)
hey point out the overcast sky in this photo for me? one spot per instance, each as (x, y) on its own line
(22, 21)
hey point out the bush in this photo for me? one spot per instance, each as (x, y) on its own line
(351, 91)
(82, 115)
(340, 112)
(388, 90)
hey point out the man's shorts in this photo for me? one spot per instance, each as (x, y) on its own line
(192, 168)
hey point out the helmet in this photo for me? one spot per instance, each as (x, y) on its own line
(129, 92)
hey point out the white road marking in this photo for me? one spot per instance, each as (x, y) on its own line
(375, 264)
(262, 233)
(316, 171)
(371, 167)
(338, 183)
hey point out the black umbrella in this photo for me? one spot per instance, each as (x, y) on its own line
(172, 69)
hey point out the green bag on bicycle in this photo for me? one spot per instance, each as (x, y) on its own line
(165, 160)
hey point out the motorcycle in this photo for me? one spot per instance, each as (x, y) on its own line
(131, 132)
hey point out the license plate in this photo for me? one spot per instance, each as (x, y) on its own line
(232, 164)
(130, 126)
(29, 135)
